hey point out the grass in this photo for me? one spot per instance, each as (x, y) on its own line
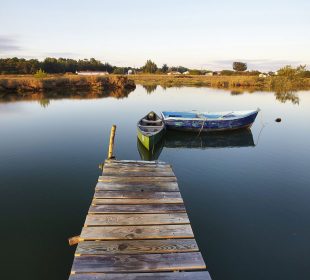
(29, 84)
(230, 82)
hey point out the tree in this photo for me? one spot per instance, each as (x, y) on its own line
(51, 65)
(164, 68)
(240, 66)
(149, 67)
(119, 70)
(290, 72)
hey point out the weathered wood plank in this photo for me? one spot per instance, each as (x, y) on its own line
(136, 194)
(136, 247)
(136, 232)
(140, 168)
(137, 201)
(192, 275)
(135, 165)
(138, 263)
(143, 208)
(142, 162)
(119, 179)
(139, 186)
(136, 219)
(137, 223)
(132, 173)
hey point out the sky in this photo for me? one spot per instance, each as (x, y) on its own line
(266, 34)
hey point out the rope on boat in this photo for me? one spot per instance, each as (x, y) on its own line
(263, 124)
(203, 123)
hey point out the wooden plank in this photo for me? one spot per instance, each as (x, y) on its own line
(143, 208)
(131, 173)
(136, 232)
(136, 219)
(142, 162)
(135, 165)
(138, 168)
(137, 201)
(192, 275)
(138, 263)
(136, 247)
(119, 179)
(136, 194)
(139, 186)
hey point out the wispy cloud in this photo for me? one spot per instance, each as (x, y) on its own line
(8, 43)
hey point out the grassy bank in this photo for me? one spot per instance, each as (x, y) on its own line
(30, 84)
(273, 83)
(119, 86)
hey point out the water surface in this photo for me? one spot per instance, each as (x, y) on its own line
(247, 194)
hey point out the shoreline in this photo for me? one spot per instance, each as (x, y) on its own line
(250, 83)
(23, 85)
(66, 85)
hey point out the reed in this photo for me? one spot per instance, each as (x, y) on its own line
(272, 83)
(30, 84)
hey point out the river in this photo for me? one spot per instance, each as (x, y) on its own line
(247, 194)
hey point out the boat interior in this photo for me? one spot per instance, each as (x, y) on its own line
(200, 115)
(151, 123)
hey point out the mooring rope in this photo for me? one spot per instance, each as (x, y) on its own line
(263, 124)
(203, 123)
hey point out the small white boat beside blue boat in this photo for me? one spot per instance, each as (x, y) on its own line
(207, 122)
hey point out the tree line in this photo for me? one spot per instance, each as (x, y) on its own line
(66, 65)
(51, 65)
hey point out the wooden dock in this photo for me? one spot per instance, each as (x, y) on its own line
(137, 227)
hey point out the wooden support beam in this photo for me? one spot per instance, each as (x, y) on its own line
(111, 144)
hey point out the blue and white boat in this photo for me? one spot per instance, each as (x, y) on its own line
(206, 122)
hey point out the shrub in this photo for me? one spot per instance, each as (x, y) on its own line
(40, 74)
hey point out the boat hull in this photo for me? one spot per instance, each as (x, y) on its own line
(210, 125)
(152, 154)
(149, 141)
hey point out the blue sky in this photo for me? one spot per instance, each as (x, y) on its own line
(193, 33)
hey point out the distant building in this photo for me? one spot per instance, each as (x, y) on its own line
(92, 73)
(130, 72)
(262, 75)
(209, 74)
(174, 73)
(186, 73)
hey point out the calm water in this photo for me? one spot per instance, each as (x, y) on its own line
(248, 195)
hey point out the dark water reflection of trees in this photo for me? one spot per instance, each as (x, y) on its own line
(44, 97)
(282, 95)
(150, 88)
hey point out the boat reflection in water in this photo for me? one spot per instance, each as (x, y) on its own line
(178, 139)
(153, 153)
(229, 139)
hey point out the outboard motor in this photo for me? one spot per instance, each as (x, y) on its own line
(151, 116)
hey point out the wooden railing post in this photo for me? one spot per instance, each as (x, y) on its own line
(111, 144)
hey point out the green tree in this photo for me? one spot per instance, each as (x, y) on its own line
(119, 70)
(240, 66)
(164, 68)
(149, 67)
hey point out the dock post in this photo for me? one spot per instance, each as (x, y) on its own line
(111, 144)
